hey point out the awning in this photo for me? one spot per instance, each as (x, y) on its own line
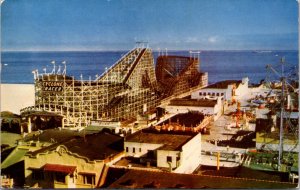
(59, 168)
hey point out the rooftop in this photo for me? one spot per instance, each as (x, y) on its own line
(193, 102)
(224, 84)
(153, 179)
(96, 146)
(52, 135)
(169, 141)
(189, 119)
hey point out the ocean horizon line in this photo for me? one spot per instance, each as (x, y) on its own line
(154, 50)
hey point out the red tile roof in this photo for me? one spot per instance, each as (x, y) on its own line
(59, 168)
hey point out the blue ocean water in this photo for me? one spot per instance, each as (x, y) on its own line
(17, 67)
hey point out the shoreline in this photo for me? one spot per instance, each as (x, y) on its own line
(16, 96)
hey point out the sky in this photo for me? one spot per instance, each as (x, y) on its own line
(63, 25)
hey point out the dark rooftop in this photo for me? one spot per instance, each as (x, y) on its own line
(169, 141)
(152, 179)
(98, 146)
(193, 102)
(53, 135)
(189, 119)
(224, 84)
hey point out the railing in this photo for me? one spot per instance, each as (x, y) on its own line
(116, 64)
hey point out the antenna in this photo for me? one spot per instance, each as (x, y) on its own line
(284, 93)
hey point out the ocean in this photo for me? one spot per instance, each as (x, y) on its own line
(17, 67)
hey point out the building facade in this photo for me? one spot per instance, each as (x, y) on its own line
(79, 162)
(181, 153)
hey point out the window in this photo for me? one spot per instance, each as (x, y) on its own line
(133, 150)
(204, 93)
(37, 174)
(140, 149)
(126, 149)
(208, 93)
(213, 94)
(222, 94)
(169, 158)
(60, 177)
(218, 94)
(150, 154)
(200, 93)
(87, 178)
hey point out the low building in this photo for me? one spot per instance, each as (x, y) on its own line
(206, 107)
(77, 162)
(228, 90)
(13, 164)
(185, 122)
(178, 153)
(164, 180)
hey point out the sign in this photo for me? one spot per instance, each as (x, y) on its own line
(53, 86)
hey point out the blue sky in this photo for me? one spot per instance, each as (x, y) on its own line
(173, 24)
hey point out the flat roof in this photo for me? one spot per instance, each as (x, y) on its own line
(189, 119)
(224, 84)
(169, 141)
(153, 179)
(193, 102)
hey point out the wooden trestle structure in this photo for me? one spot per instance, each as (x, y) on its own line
(126, 89)
(123, 91)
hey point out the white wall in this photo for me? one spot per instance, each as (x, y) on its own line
(242, 89)
(227, 93)
(216, 111)
(190, 157)
(184, 109)
(162, 158)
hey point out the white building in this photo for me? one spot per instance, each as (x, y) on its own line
(206, 107)
(227, 90)
(179, 153)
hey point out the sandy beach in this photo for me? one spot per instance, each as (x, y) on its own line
(16, 96)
